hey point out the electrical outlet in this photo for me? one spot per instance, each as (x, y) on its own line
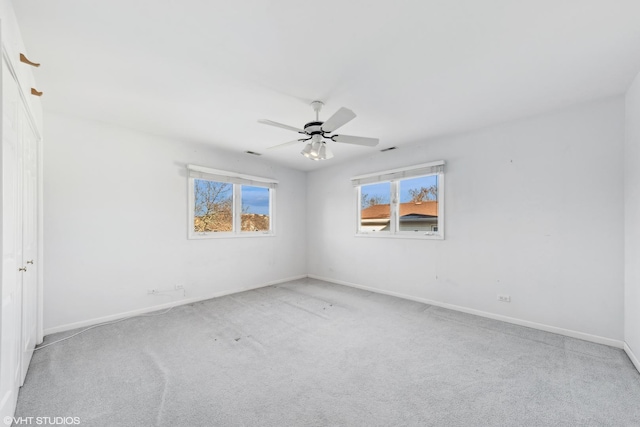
(504, 298)
(152, 291)
(179, 286)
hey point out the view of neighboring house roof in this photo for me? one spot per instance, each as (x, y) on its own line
(428, 208)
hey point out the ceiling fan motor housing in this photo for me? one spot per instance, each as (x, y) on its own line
(314, 128)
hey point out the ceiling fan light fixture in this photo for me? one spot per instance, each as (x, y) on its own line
(307, 151)
(325, 153)
(315, 148)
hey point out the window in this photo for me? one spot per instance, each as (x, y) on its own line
(228, 204)
(255, 208)
(375, 210)
(213, 206)
(418, 203)
(407, 202)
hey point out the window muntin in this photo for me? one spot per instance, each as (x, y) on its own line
(229, 204)
(406, 202)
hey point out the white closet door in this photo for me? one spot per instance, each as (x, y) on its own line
(29, 242)
(11, 321)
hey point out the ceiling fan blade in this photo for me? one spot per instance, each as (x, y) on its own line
(285, 144)
(358, 140)
(339, 118)
(280, 125)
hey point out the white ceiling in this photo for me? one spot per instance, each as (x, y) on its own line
(206, 71)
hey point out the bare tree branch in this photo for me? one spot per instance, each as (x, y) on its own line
(213, 206)
(424, 194)
(367, 201)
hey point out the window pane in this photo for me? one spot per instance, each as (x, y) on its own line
(375, 211)
(213, 209)
(255, 208)
(419, 204)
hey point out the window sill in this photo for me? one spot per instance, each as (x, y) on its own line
(228, 235)
(418, 236)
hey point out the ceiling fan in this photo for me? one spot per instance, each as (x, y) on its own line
(316, 132)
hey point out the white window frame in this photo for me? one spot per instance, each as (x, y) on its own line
(237, 180)
(394, 176)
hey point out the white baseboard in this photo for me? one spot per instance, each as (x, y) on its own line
(567, 332)
(632, 356)
(98, 320)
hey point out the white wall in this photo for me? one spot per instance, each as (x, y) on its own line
(116, 224)
(534, 209)
(632, 222)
